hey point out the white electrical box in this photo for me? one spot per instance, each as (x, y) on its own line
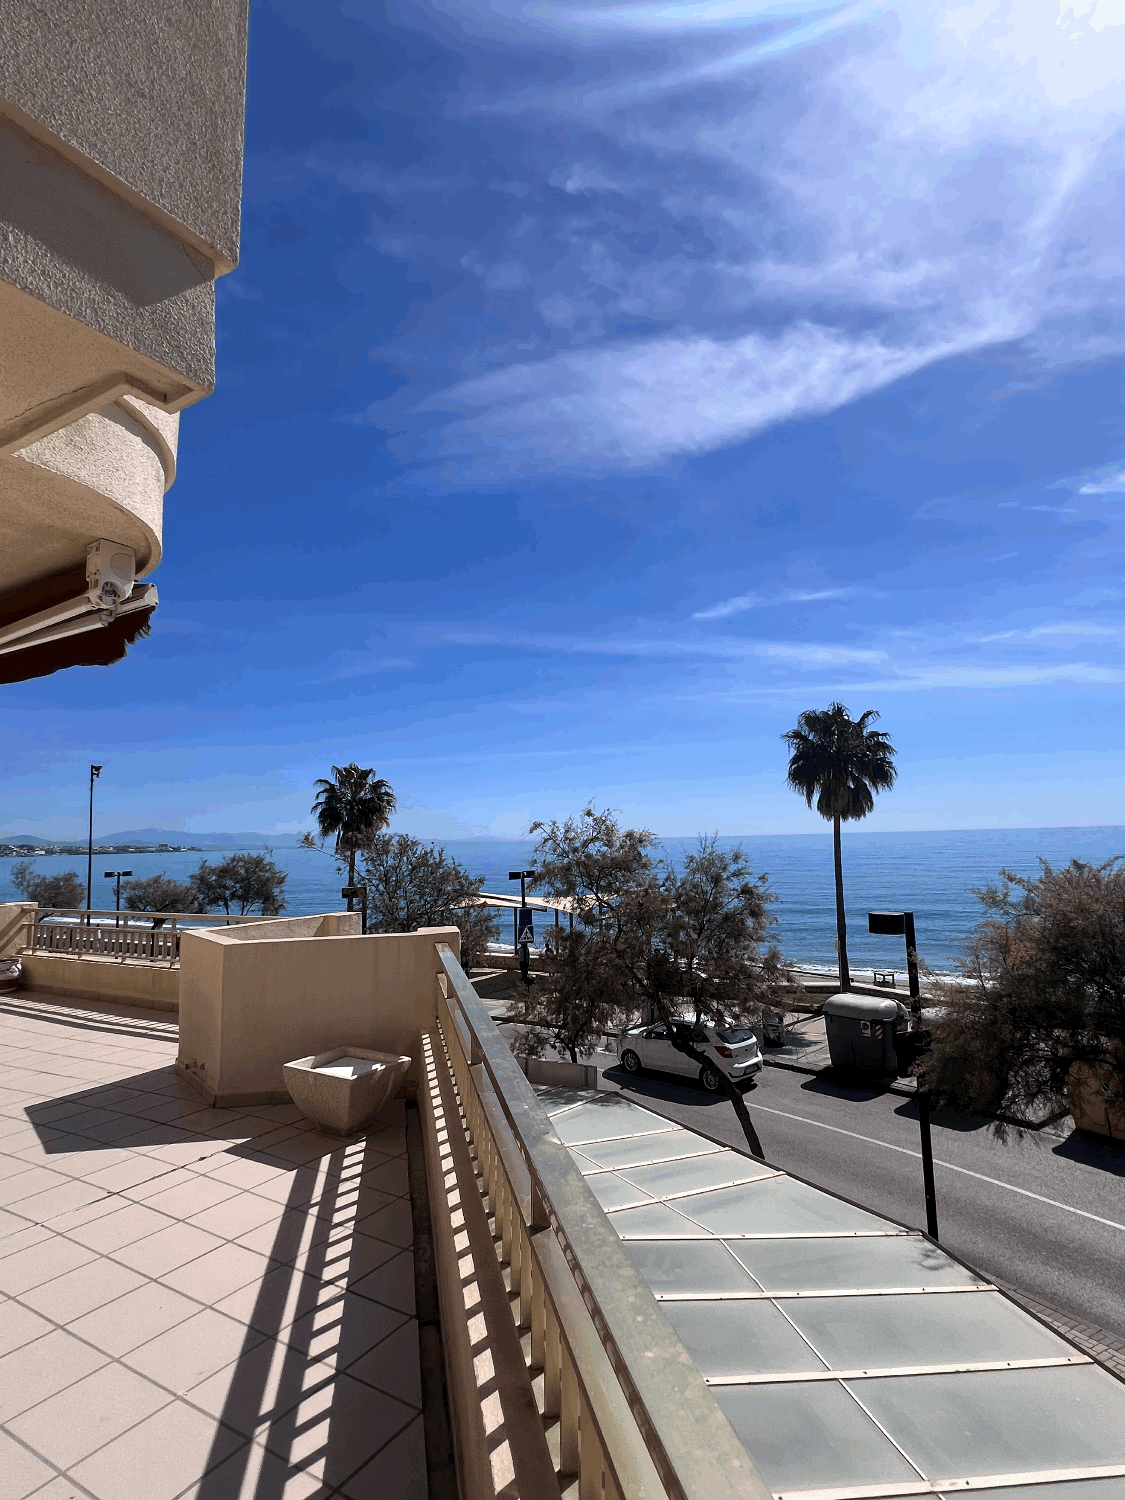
(111, 571)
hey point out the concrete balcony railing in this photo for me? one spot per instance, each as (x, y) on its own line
(145, 937)
(564, 1375)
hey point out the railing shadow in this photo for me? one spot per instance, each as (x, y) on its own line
(291, 1394)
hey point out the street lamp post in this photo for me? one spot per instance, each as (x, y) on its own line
(119, 876)
(524, 925)
(901, 923)
(95, 772)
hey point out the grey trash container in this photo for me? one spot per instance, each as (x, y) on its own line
(861, 1032)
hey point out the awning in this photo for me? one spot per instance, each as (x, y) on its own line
(53, 624)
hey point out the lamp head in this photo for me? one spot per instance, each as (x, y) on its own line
(95, 771)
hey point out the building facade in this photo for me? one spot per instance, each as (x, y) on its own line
(120, 182)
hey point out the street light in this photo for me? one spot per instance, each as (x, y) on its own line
(524, 924)
(119, 876)
(95, 772)
(901, 924)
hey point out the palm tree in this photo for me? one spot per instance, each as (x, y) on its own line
(353, 807)
(843, 764)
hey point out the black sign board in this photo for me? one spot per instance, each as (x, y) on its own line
(887, 923)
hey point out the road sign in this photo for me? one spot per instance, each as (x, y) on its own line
(525, 926)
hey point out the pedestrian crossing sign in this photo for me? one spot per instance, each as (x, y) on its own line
(525, 926)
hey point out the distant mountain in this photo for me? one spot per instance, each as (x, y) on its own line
(205, 841)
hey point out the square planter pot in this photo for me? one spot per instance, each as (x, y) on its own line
(345, 1088)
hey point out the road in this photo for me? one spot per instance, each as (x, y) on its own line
(1043, 1214)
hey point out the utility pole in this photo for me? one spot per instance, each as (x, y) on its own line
(95, 772)
(119, 876)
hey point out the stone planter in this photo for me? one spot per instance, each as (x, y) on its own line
(343, 1089)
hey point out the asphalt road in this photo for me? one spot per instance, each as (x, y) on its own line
(1045, 1215)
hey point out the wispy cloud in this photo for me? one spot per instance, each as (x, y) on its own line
(746, 226)
(742, 602)
(1064, 629)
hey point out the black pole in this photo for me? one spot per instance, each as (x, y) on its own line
(95, 771)
(922, 1093)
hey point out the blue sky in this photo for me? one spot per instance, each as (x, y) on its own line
(602, 385)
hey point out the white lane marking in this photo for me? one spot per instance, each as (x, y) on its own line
(995, 1181)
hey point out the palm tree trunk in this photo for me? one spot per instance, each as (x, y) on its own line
(841, 924)
(351, 874)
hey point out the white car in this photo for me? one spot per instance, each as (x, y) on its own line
(734, 1049)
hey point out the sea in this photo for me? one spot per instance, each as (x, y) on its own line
(932, 874)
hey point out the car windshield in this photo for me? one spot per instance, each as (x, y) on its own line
(734, 1035)
(689, 1033)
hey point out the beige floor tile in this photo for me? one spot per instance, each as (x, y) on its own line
(81, 1290)
(253, 1472)
(19, 1326)
(188, 1353)
(40, 1262)
(292, 1187)
(16, 1240)
(164, 1251)
(399, 1469)
(258, 1387)
(31, 1374)
(23, 1472)
(126, 1174)
(43, 1207)
(170, 1177)
(60, 1488)
(191, 1197)
(392, 1177)
(33, 1179)
(271, 1302)
(238, 1215)
(134, 1319)
(219, 1273)
(394, 1365)
(98, 1208)
(72, 1424)
(391, 1283)
(341, 1328)
(244, 1172)
(350, 1257)
(158, 1458)
(393, 1224)
(124, 1226)
(335, 1429)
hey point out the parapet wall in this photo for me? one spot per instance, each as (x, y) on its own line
(253, 998)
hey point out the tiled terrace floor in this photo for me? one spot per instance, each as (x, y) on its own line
(193, 1302)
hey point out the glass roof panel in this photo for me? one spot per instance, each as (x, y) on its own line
(1071, 1489)
(638, 1151)
(739, 1338)
(838, 1265)
(613, 1192)
(696, 1174)
(656, 1221)
(808, 1437)
(687, 1266)
(611, 1116)
(984, 1422)
(776, 1206)
(860, 1333)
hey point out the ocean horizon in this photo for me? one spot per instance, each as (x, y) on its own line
(932, 874)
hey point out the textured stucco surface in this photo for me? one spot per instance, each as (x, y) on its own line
(72, 245)
(102, 476)
(151, 92)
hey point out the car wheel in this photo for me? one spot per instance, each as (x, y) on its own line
(630, 1062)
(709, 1078)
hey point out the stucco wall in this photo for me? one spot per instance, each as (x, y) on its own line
(250, 1002)
(151, 94)
(148, 985)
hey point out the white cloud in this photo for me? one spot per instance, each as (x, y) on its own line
(743, 602)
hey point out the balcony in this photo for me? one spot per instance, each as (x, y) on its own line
(495, 1291)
